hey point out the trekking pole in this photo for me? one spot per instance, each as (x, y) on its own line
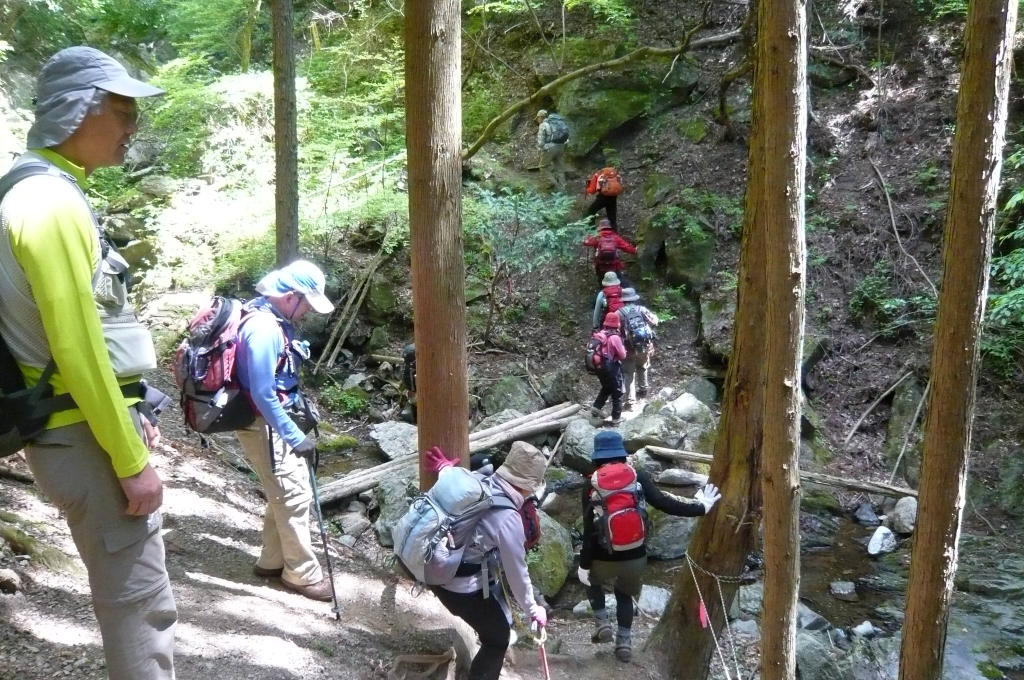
(323, 538)
(544, 653)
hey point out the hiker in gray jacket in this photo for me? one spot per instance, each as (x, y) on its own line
(501, 535)
(552, 136)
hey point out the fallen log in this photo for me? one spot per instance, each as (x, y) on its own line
(552, 413)
(16, 475)
(812, 477)
(357, 482)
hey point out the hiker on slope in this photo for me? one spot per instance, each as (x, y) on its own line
(609, 299)
(552, 136)
(607, 185)
(606, 245)
(279, 451)
(614, 551)
(499, 540)
(605, 353)
(70, 333)
(638, 335)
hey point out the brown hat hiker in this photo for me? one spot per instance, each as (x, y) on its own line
(524, 468)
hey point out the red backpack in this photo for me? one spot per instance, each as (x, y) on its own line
(596, 352)
(620, 513)
(607, 246)
(613, 298)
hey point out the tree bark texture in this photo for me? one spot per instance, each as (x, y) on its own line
(680, 646)
(970, 219)
(778, 157)
(433, 53)
(286, 141)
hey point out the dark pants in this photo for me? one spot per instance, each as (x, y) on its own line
(611, 386)
(626, 579)
(609, 203)
(488, 620)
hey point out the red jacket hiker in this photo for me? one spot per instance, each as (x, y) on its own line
(606, 245)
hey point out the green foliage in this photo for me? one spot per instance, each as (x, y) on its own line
(874, 297)
(344, 402)
(927, 177)
(210, 30)
(241, 265)
(381, 221)
(936, 10)
(668, 303)
(710, 210)
(184, 118)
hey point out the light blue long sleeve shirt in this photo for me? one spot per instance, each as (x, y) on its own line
(261, 344)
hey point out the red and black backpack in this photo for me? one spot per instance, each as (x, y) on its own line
(620, 513)
(607, 246)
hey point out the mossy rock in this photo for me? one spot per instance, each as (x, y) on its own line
(594, 110)
(688, 250)
(820, 502)
(1011, 486)
(381, 301)
(550, 561)
(658, 187)
(378, 339)
(827, 75)
(336, 443)
(509, 393)
(693, 129)
(23, 544)
(901, 414)
(717, 316)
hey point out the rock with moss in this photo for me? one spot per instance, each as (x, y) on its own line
(158, 186)
(815, 451)
(381, 300)
(550, 561)
(378, 339)
(394, 495)
(817, 500)
(904, 405)
(668, 535)
(595, 107)
(828, 75)
(336, 443)
(578, 446)
(702, 388)
(499, 418)
(717, 316)
(1010, 492)
(657, 187)
(509, 392)
(684, 248)
(560, 386)
(693, 129)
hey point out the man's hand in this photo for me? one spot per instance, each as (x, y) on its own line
(152, 432)
(306, 449)
(144, 491)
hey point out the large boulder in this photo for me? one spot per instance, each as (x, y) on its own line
(655, 429)
(901, 423)
(578, 446)
(394, 495)
(904, 517)
(394, 439)
(381, 300)
(597, 106)
(688, 247)
(500, 418)
(159, 186)
(683, 423)
(697, 422)
(669, 535)
(509, 392)
(642, 460)
(657, 187)
(702, 388)
(560, 386)
(550, 561)
(717, 315)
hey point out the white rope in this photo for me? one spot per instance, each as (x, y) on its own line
(711, 628)
(728, 628)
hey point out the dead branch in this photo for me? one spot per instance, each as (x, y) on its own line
(829, 59)
(896, 233)
(876, 402)
(16, 475)
(637, 54)
(811, 477)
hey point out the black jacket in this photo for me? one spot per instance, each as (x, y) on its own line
(653, 496)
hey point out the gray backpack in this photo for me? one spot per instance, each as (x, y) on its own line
(559, 129)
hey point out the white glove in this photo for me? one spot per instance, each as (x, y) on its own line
(584, 576)
(707, 497)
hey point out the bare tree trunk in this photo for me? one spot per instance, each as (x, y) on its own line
(970, 219)
(680, 646)
(286, 142)
(245, 35)
(433, 139)
(780, 149)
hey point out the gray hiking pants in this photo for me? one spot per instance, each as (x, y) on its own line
(123, 554)
(635, 365)
(552, 164)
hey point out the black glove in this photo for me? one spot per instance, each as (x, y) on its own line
(307, 449)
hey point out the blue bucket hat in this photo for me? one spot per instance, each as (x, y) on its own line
(608, 445)
(299, 277)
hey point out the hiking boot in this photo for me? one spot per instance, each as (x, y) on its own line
(595, 411)
(628, 406)
(623, 649)
(640, 394)
(319, 591)
(262, 572)
(613, 420)
(603, 631)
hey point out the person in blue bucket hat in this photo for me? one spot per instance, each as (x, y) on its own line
(614, 551)
(277, 444)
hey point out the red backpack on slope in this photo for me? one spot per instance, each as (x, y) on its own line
(613, 298)
(596, 352)
(617, 501)
(607, 246)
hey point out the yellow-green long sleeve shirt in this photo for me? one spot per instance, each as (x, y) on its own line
(53, 239)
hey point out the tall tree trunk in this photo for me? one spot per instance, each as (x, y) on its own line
(286, 142)
(433, 114)
(680, 646)
(970, 219)
(245, 35)
(780, 133)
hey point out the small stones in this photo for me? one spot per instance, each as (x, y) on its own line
(844, 590)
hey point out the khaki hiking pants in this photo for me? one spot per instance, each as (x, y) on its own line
(552, 164)
(123, 554)
(634, 374)
(286, 538)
